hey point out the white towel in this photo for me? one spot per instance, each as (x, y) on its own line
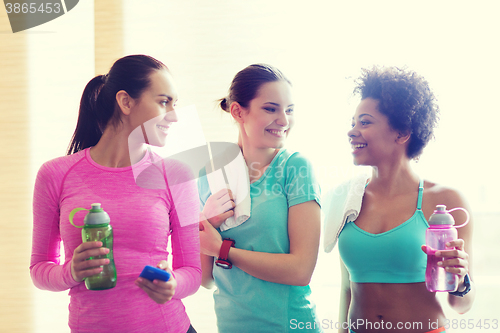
(237, 176)
(342, 205)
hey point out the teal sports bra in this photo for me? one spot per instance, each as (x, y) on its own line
(394, 256)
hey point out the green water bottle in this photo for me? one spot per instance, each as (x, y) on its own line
(97, 228)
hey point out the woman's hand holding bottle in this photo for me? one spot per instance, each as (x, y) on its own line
(81, 267)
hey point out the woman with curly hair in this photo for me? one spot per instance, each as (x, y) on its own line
(383, 221)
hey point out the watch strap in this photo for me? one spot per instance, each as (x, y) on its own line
(223, 260)
(467, 288)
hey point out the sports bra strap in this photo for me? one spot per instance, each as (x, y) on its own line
(420, 194)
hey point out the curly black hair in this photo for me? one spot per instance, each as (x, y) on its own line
(406, 99)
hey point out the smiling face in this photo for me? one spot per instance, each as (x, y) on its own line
(372, 138)
(267, 121)
(153, 112)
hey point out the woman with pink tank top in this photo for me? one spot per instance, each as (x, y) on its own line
(135, 99)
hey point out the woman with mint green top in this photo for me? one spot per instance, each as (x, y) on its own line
(382, 248)
(275, 250)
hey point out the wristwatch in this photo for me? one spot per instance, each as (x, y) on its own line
(223, 261)
(467, 288)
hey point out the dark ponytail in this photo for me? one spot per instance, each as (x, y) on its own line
(247, 82)
(98, 107)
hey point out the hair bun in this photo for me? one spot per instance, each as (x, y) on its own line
(223, 104)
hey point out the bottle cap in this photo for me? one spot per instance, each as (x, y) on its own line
(96, 215)
(441, 216)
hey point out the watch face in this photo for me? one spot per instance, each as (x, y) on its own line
(223, 264)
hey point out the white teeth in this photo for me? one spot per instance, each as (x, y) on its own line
(277, 132)
(162, 128)
(358, 146)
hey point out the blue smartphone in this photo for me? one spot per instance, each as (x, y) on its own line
(151, 273)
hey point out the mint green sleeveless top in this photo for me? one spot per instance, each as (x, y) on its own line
(394, 256)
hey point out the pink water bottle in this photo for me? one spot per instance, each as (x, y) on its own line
(441, 230)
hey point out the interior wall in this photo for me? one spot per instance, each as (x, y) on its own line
(16, 310)
(108, 25)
